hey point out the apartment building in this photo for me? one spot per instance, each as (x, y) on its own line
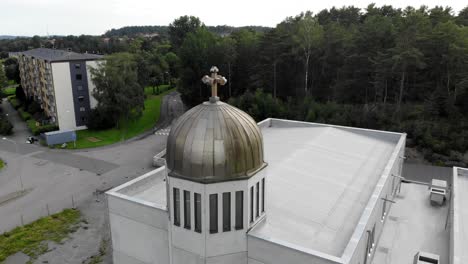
(60, 81)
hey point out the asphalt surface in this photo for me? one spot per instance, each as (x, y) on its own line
(425, 173)
(59, 179)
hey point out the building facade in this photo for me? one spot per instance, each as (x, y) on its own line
(60, 81)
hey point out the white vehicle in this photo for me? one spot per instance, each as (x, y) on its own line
(426, 258)
(438, 192)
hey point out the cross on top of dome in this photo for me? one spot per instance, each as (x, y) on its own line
(213, 81)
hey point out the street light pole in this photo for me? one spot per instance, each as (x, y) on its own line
(19, 165)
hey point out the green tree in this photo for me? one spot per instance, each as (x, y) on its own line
(181, 27)
(406, 54)
(12, 69)
(3, 78)
(196, 55)
(309, 39)
(117, 90)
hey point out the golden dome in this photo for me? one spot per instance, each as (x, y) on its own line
(214, 142)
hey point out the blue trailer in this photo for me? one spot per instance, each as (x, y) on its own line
(59, 137)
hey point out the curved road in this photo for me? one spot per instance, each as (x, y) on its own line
(53, 177)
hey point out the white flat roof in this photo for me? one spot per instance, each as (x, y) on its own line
(413, 225)
(320, 179)
(148, 189)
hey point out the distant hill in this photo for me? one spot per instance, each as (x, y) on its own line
(8, 37)
(133, 31)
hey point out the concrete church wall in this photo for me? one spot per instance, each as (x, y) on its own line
(139, 232)
(190, 247)
(266, 252)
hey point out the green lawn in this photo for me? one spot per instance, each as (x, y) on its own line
(2, 164)
(32, 239)
(9, 91)
(147, 121)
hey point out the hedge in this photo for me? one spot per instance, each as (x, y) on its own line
(23, 114)
(14, 102)
(37, 130)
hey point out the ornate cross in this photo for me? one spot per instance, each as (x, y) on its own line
(214, 80)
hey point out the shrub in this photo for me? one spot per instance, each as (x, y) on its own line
(14, 102)
(37, 130)
(100, 119)
(19, 93)
(33, 107)
(24, 115)
(6, 128)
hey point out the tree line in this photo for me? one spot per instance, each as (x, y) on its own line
(381, 67)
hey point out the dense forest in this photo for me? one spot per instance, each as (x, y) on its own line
(381, 68)
(135, 31)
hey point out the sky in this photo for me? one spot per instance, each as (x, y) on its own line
(94, 17)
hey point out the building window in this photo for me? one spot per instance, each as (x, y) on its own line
(77, 66)
(78, 77)
(187, 209)
(239, 210)
(213, 213)
(251, 204)
(176, 206)
(80, 88)
(263, 195)
(197, 207)
(83, 119)
(226, 211)
(257, 200)
(82, 109)
(80, 99)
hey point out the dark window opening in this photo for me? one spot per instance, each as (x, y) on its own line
(226, 211)
(197, 208)
(257, 200)
(176, 207)
(77, 66)
(239, 210)
(263, 195)
(83, 119)
(79, 77)
(251, 204)
(213, 213)
(80, 99)
(187, 209)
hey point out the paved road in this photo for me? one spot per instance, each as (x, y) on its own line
(20, 129)
(53, 177)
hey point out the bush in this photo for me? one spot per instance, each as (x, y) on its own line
(100, 119)
(33, 107)
(19, 93)
(24, 115)
(37, 130)
(6, 128)
(14, 102)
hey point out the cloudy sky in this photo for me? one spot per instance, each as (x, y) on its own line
(64, 17)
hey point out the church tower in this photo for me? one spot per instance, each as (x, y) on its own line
(216, 181)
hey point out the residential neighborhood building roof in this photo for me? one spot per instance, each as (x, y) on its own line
(54, 55)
